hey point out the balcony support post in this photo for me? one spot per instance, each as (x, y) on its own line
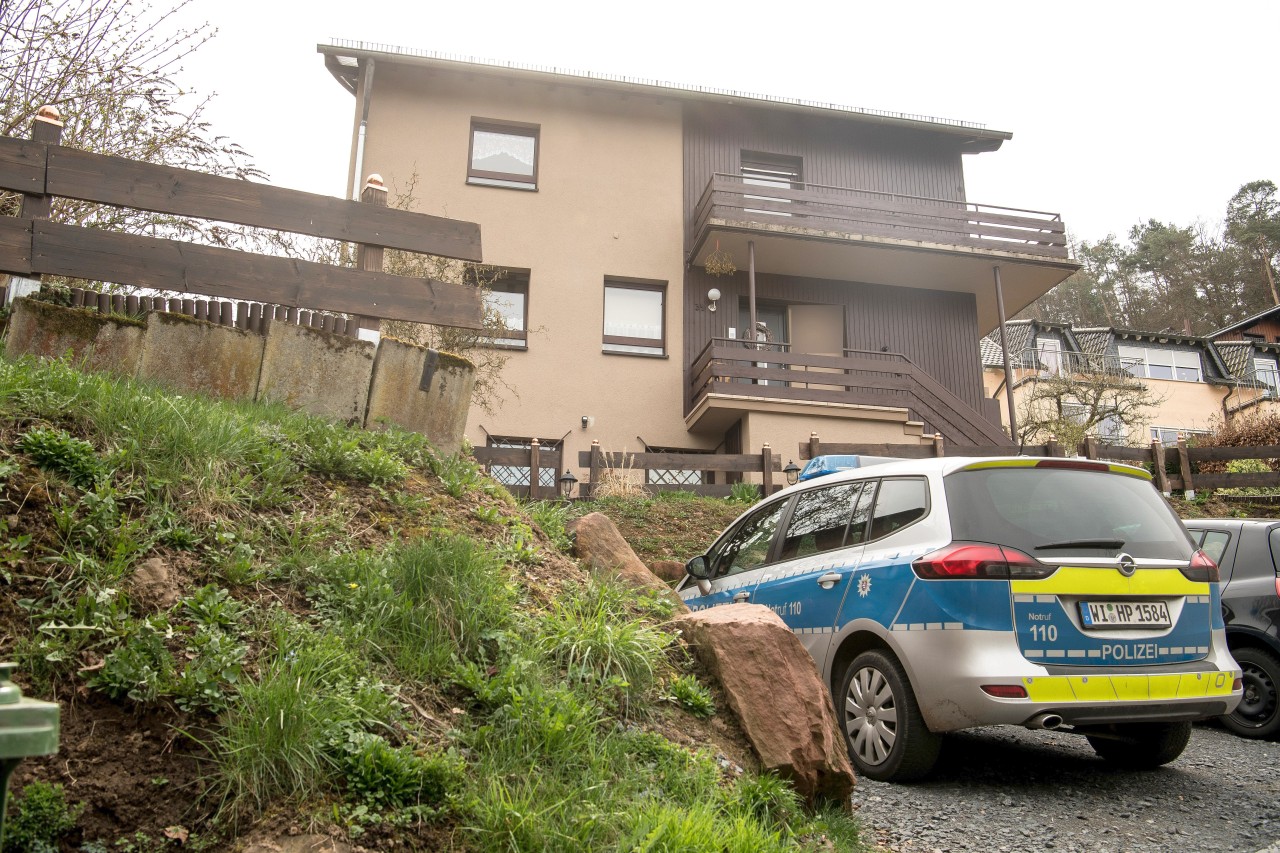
(751, 290)
(1004, 349)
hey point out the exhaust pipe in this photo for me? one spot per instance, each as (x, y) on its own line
(1044, 721)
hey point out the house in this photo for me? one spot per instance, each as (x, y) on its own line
(1193, 382)
(855, 277)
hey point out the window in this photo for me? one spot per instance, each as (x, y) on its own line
(508, 299)
(1215, 544)
(1049, 351)
(898, 503)
(1168, 436)
(516, 476)
(1264, 373)
(634, 317)
(503, 154)
(1153, 363)
(819, 520)
(771, 170)
(747, 547)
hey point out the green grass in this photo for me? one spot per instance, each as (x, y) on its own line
(309, 632)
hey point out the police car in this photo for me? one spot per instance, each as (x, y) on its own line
(942, 594)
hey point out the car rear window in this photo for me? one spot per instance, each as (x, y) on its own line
(1029, 508)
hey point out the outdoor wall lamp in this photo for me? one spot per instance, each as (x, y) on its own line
(713, 296)
(567, 482)
(586, 421)
(792, 471)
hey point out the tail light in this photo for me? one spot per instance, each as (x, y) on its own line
(1202, 568)
(979, 561)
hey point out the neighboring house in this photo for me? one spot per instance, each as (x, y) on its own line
(1195, 382)
(605, 198)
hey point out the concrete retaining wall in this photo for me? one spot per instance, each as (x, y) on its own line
(421, 390)
(357, 382)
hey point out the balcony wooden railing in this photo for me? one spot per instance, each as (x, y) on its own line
(848, 212)
(770, 371)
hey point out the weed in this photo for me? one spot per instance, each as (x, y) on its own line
(459, 475)
(212, 673)
(551, 519)
(675, 496)
(384, 776)
(697, 828)
(744, 493)
(689, 693)
(488, 514)
(38, 818)
(57, 450)
(519, 545)
(279, 735)
(140, 668)
(213, 607)
(591, 636)
(767, 798)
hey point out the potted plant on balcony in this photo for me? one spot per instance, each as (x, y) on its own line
(719, 262)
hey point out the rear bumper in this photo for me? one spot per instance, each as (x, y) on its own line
(948, 684)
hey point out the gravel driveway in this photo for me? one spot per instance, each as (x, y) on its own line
(1009, 789)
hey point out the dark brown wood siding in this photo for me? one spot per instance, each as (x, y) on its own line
(1268, 327)
(938, 330)
(834, 153)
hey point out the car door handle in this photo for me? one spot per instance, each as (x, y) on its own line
(741, 597)
(829, 580)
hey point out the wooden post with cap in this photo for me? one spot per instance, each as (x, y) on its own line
(370, 258)
(46, 128)
(766, 469)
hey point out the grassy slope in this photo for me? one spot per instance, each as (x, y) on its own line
(355, 637)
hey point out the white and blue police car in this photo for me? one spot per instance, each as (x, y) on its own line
(942, 594)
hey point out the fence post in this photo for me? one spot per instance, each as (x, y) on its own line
(46, 128)
(595, 465)
(535, 469)
(1090, 447)
(1157, 465)
(938, 449)
(815, 446)
(766, 468)
(369, 258)
(1052, 448)
(1184, 465)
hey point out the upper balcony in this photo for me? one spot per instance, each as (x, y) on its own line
(884, 238)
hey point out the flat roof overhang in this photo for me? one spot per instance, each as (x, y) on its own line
(815, 253)
(715, 412)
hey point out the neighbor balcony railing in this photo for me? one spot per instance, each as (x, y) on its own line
(1048, 364)
(729, 201)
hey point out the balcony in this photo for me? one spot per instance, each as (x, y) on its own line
(884, 238)
(732, 376)
(1050, 364)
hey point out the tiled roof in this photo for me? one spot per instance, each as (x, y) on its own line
(1092, 341)
(1238, 357)
(992, 356)
(1019, 337)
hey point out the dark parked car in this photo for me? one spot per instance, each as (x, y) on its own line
(1248, 555)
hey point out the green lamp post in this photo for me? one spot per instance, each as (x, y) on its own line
(27, 727)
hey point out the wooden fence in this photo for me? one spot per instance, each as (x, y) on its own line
(1175, 468)
(31, 244)
(599, 463)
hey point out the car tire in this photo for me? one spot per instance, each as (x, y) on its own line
(884, 730)
(1258, 714)
(1141, 746)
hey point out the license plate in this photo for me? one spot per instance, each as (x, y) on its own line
(1125, 614)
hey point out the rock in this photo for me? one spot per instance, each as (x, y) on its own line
(598, 543)
(776, 692)
(153, 582)
(667, 570)
(296, 844)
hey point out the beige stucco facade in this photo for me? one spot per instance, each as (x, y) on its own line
(1191, 407)
(607, 203)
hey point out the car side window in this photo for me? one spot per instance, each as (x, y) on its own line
(899, 502)
(1215, 544)
(748, 547)
(862, 513)
(819, 520)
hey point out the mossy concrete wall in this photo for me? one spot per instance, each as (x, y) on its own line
(186, 354)
(321, 373)
(94, 341)
(317, 371)
(421, 390)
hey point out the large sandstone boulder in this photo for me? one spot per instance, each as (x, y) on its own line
(668, 570)
(777, 694)
(598, 543)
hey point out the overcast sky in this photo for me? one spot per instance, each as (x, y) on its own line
(1121, 111)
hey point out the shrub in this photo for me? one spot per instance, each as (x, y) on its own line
(689, 693)
(38, 818)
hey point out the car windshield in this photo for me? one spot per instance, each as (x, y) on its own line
(1060, 512)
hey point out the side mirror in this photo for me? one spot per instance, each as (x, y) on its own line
(697, 568)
